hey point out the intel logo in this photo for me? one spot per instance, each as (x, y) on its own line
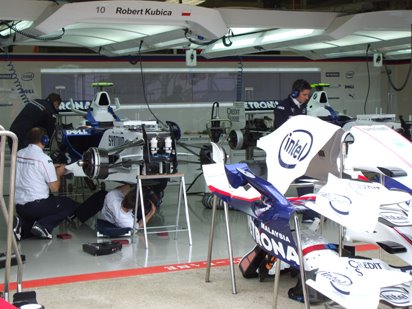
(395, 295)
(339, 203)
(294, 148)
(28, 76)
(340, 283)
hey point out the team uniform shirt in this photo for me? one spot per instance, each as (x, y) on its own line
(288, 108)
(34, 171)
(40, 113)
(113, 212)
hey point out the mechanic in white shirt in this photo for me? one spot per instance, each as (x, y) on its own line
(40, 212)
(118, 206)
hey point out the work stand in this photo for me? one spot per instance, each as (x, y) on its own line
(163, 228)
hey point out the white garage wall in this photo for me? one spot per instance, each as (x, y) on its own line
(349, 83)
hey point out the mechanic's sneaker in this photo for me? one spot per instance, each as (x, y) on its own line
(17, 226)
(40, 231)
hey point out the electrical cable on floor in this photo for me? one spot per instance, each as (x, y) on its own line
(193, 182)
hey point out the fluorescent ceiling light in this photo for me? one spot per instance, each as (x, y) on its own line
(171, 42)
(21, 25)
(285, 35)
(352, 53)
(236, 43)
(175, 70)
(238, 30)
(385, 35)
(353, 40)
(313, 46)
(188, 2)
(398, 52)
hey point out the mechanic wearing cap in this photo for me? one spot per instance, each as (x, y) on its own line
(39, 211)
(37, 113)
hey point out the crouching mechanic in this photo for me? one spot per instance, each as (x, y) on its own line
(119, 204)
(39, 211)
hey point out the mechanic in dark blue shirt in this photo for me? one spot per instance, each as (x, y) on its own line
(37, 113)
(294, 104)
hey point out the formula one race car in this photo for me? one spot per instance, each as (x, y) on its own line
(105, 147)
(309, 146)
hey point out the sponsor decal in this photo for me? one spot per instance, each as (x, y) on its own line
(339, 282)
(186, 13)
(395, 295)
(6, 76)
(339, 203)
(143, 12)
(77, 132)
(78, 105)
(28, 76)
(116, 140)
(332, 74)
(260, 105)
(68, 158)
(294, 148)
(273, 242)
(358, 265)
(233, 114)
(394, 217)
(360, 187)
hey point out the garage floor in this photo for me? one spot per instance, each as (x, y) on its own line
(61, 261)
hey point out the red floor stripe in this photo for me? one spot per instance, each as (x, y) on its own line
(137, 272)
(118, 274)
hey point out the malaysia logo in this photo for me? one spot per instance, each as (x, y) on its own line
(339, 282)
(294, 148)
(339, 203)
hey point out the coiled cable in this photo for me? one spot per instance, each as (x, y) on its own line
(239, 81)
(16, 79)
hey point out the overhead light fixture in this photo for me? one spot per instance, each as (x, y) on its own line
(188, 2)
(398, 52)
(19, 26)
(281, 35)
(171, 43)
(175, 70)
(239, 30)
(235, 43)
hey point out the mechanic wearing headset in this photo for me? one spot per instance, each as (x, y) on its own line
(37, 113)
(294, 104)
(39, 211)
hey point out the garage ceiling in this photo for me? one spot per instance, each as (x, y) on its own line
(215, 28)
